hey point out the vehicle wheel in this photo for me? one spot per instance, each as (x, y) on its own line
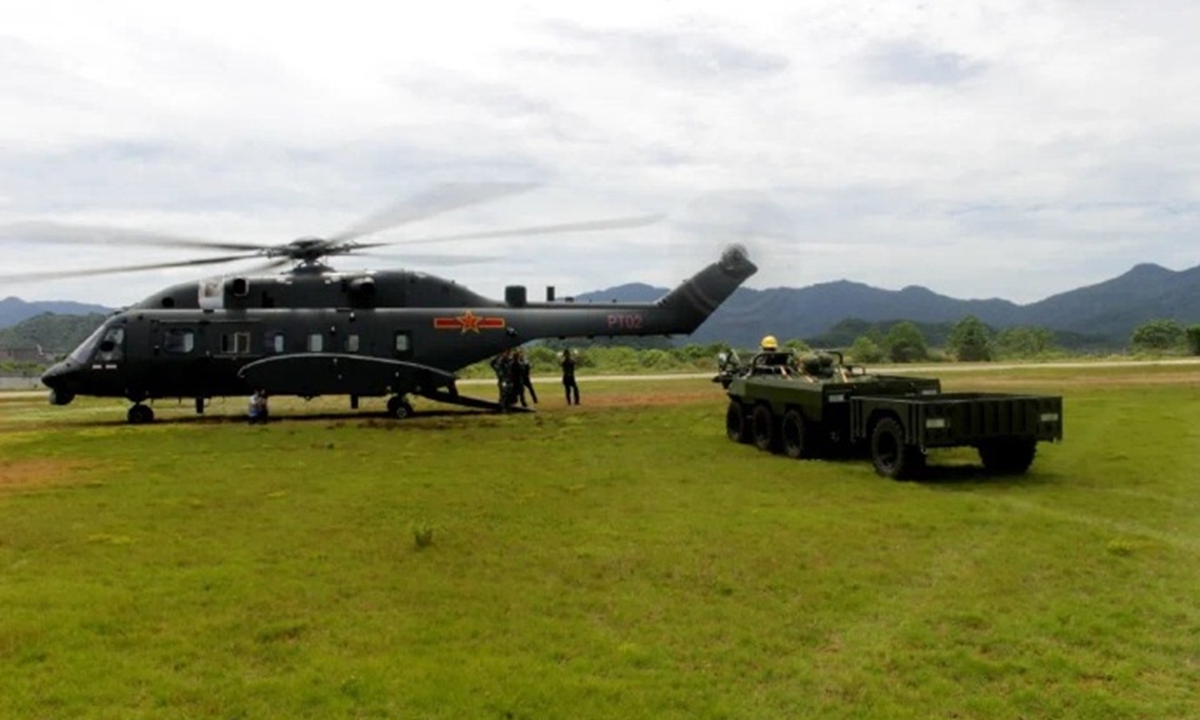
(399, 408)
(1008, 457)
(795, 436)
(766, 437)
(737, 425)
(892, 458)
(140, 414)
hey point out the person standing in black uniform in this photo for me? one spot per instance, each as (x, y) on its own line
(568, 376)
(523, 380)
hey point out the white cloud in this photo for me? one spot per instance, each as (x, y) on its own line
(977, 148)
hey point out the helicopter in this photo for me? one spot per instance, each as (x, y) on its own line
(312, 330)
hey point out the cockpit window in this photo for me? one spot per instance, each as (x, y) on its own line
(83, 353)
(111, 345)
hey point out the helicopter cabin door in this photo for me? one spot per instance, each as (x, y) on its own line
(228, 346)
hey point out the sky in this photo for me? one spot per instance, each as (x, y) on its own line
(1012, 149)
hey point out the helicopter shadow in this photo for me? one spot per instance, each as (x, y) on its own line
(381, 418)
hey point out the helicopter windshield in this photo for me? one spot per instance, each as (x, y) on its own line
(83, 353)
(109, 339)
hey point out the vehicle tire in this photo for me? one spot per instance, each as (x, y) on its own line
(795, 436)
(891, 457)
(737, 425)
(399, 408)
(766, 434)
(139, 414)
(1008, 457)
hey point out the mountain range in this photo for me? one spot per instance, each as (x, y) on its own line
(13, 309)
(1103, 315)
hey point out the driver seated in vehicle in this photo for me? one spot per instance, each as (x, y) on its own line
(770, 360)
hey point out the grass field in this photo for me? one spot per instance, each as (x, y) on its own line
(620, 559)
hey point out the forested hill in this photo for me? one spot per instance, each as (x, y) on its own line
(1103, 314)
(55, 334)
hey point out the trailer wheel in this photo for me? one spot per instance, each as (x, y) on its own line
(766, 437)
(1008, 457)
(737, 425)
(891, 457)
(796, 438)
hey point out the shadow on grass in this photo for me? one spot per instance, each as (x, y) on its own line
(374, 418)
(966, 477)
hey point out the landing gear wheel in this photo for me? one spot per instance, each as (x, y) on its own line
(398, 407)
(1008, 457)
(891, 457)
(737, 425)
(140, 414)
(766, 438)
(796, 441)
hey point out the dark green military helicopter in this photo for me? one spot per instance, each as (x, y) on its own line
(313, 330)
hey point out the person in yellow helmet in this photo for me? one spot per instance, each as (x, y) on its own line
(770, 359)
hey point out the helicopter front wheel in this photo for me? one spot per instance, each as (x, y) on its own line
(398, 407)
(140, 414)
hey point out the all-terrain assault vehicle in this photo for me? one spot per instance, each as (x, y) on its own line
(820, 406)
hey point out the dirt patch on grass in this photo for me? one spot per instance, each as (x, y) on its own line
(24, 475)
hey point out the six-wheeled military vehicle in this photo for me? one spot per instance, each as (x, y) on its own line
(819, 406)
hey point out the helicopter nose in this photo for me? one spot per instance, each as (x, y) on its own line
(54, 374)
(57, 378)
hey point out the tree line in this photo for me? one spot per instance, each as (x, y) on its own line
(968, 340)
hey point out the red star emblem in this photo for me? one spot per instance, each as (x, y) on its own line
(469, 322)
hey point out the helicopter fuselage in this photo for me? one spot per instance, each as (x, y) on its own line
(314, 332)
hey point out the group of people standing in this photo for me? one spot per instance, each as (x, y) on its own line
(512, 375)
(512, 368)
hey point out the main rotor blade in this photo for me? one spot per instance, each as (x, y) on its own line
(440, 199)
(48, 232)
(589, 226)
(434, 259)
(56, 274)
(264, 267)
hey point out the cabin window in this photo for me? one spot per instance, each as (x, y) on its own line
(352, 343)
(275, 342)
(316, 342)
(403, 342)
(179, 341)
(237, 343)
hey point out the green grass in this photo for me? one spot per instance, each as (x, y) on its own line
(612, 560)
